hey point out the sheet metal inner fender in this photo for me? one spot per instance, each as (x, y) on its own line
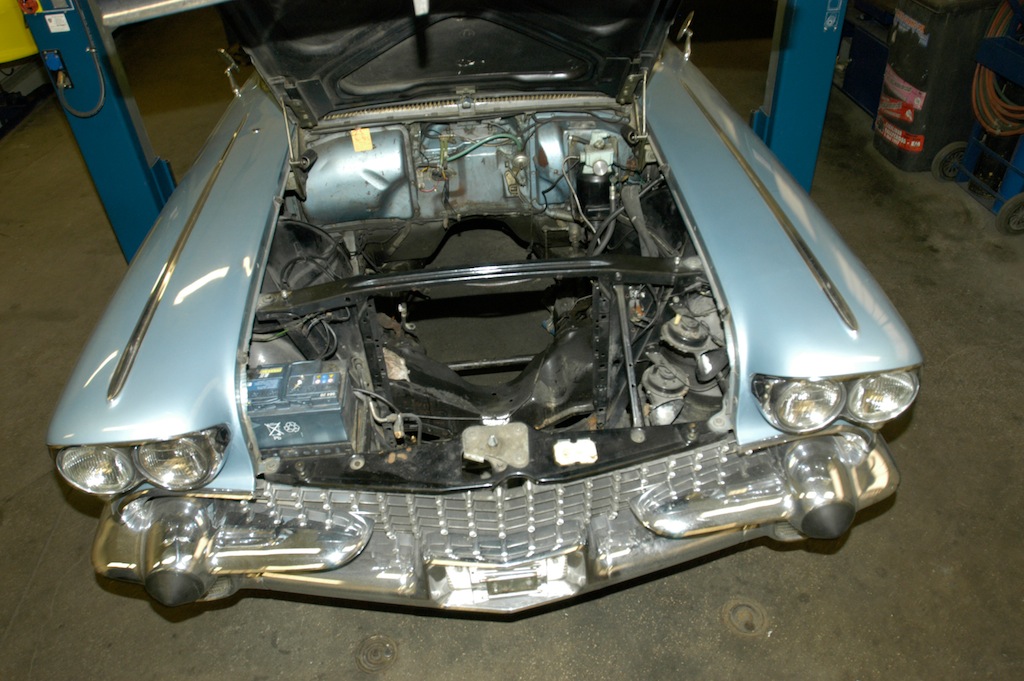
(346, 184)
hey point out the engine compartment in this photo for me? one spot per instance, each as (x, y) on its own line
(451, 304)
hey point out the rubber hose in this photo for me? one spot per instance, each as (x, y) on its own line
(996, 113)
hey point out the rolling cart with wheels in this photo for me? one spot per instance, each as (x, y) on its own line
(995, 181)
(990, 166)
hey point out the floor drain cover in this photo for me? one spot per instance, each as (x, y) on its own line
(376, 653)
(745, 617)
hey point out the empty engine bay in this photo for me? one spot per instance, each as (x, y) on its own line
(450, 304)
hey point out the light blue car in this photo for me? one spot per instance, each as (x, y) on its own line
(477, 309)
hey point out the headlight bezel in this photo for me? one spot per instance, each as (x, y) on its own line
(215, 439)
(911, 381)
(210, 442)
(767, 389)
(113, 453)
(771, 391)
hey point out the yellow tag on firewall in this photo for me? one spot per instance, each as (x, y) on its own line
(361, 140)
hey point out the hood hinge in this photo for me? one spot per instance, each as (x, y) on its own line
(637, 68)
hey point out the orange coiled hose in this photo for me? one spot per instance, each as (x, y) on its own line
(995, 111)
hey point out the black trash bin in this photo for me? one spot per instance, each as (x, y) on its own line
(925, 102)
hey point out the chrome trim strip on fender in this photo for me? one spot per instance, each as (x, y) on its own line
(824, 281)
(131, 350)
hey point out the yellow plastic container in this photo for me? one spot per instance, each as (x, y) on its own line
(15, 40)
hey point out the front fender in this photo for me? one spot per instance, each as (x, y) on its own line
(184, 376)
(735, 196)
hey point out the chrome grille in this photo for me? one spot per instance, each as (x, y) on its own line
(510, 523)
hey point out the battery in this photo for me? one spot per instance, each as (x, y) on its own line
(304, 403)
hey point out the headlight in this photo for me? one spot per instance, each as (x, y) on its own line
(97, 469)
(874, 399)
(184, 462)
(799, 405)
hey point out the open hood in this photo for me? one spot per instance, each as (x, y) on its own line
(323, 57)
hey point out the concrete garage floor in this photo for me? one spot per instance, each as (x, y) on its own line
(926, 587)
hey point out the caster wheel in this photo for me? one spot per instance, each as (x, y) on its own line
(946, 163)
(1011, 216)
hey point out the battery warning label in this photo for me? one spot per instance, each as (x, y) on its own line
(900, 139)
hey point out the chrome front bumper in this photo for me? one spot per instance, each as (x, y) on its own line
(500, 550)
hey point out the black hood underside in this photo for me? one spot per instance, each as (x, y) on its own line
(322, 57)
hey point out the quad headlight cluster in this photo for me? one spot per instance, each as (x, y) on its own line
(178, 464)
(803, 405)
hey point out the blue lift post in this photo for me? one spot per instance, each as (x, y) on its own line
(804, 49)
(132, 182)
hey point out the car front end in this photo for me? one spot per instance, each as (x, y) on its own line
(483, 351)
